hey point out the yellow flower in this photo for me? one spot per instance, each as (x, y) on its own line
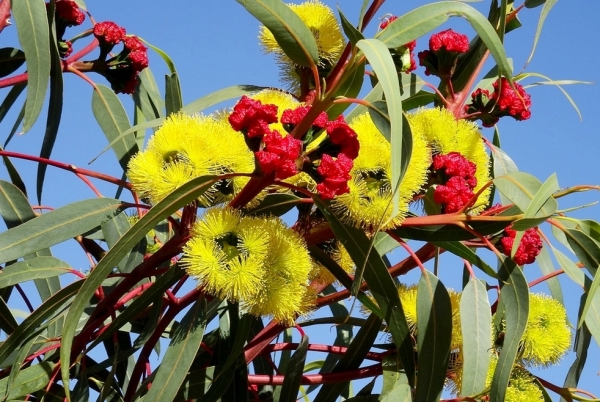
(547, 335)
(327, 33)
(408, 299)
(521, 386)
(339, 254)
(445, 134)
(186, 147)
(227, 254)
(282, 100)
(369, 202)
(283, 293)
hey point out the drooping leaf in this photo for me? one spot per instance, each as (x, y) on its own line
(466, 253)
(542, 206)
(55, 227)
(585, 248)
(545, 263)
(545, 11)
(521, 188)
(381, 61)
(514, 294)
(290, 32)
(29, 380)
(35, 268)
(32, 27)
(293, 373)
(476, 326)
(185, 343)
(113, 120)
(219, 96)
(349, 87)
(173, 97)
(434, 333)
(10, 60)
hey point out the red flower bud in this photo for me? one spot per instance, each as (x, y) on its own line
(528, 249)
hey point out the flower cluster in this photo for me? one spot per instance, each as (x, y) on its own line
(458, 180)
(67, 14)
(529, 247)
(279, 153)
(504, 101)
(403, 57)
(442, 56)
(123, 69)
(256, 261)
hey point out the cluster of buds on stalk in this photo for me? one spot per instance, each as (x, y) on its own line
(284, 156)
(66, 14)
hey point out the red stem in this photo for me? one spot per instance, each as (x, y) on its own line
(4, 14)
(339, 350)
(309, 379)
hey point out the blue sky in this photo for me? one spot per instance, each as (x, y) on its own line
(214, 45)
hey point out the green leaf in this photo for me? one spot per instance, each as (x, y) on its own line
(55, 106)
(34, 36)
(171, 203)
(55, 227)
(466, 253)
(546, 266)
(8, 323)
(376, 94)
(196, 384)
(112, 118)
(420, 21)
(434, 333)
(10, 99)
(29, 380)
(448, 232)
(275, 204)
(380, 283)
(180, 354)
(514, 294)
(293, 373)
(173, 98)
(353, 34)
(592, 321)
(35, 268)
(112, 231)
(290, 32)
(585, 248)
(350, 85)
(10, 60)
(521, 188)
(476, 326)
(545, 11)
(352, 359)
(381, 61)
(583, 338)
(163, 55)
(542, 206)
(219, 96)
(571, 269)
(393, 376)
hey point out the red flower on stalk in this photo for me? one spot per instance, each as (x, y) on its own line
(69, 12)
(449, 41)
(335, 173)
(109, 32)
(252, 117)
(290, 118)
(138, 53)
(454, 164)
(279, 155)
(341, 134)
(442, 56)
(528, 249)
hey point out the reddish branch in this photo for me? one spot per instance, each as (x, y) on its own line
(330, 378)
(4, 14)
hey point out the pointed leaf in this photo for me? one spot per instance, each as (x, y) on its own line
(381, 61)
(180, 354)
(32, 27)
(112, 118)
(10, 60)
(546, 266)
(29, 380)
(353, 34)
(173, 98)
(466, 253)
(434, 333)
(476, 326)
(55, 227)
(585, 248)
(521, 188)
(293, 373)
(290, 32)
(350, 85)
(39, 267)
(514, 294)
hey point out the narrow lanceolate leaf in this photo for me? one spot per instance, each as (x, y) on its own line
(466, 253)
(380, 59)
(592, 320)
(352, 33)
(547, 266)
(177, 199)
(585, 248)
(173, 98)
(55, 227)
(380, 283)
(514, 294)
(293, 373)
(520, 188)
(352, 359)
(8, 323)
(543, 14)
(350, 86)
(112, 118)
(219, 96)
(10, 60)
(185, 343)
(418, 22)
(292, 35)
(35, 268)
(112, 231)
(55, 105)
(29, 380)
(476, 326)
(541, 207)
(32, 27)
(434, 333)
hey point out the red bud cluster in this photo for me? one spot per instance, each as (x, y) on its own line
(458, 181)
(529, 248)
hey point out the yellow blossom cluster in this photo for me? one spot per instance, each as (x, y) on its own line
(258, 262)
